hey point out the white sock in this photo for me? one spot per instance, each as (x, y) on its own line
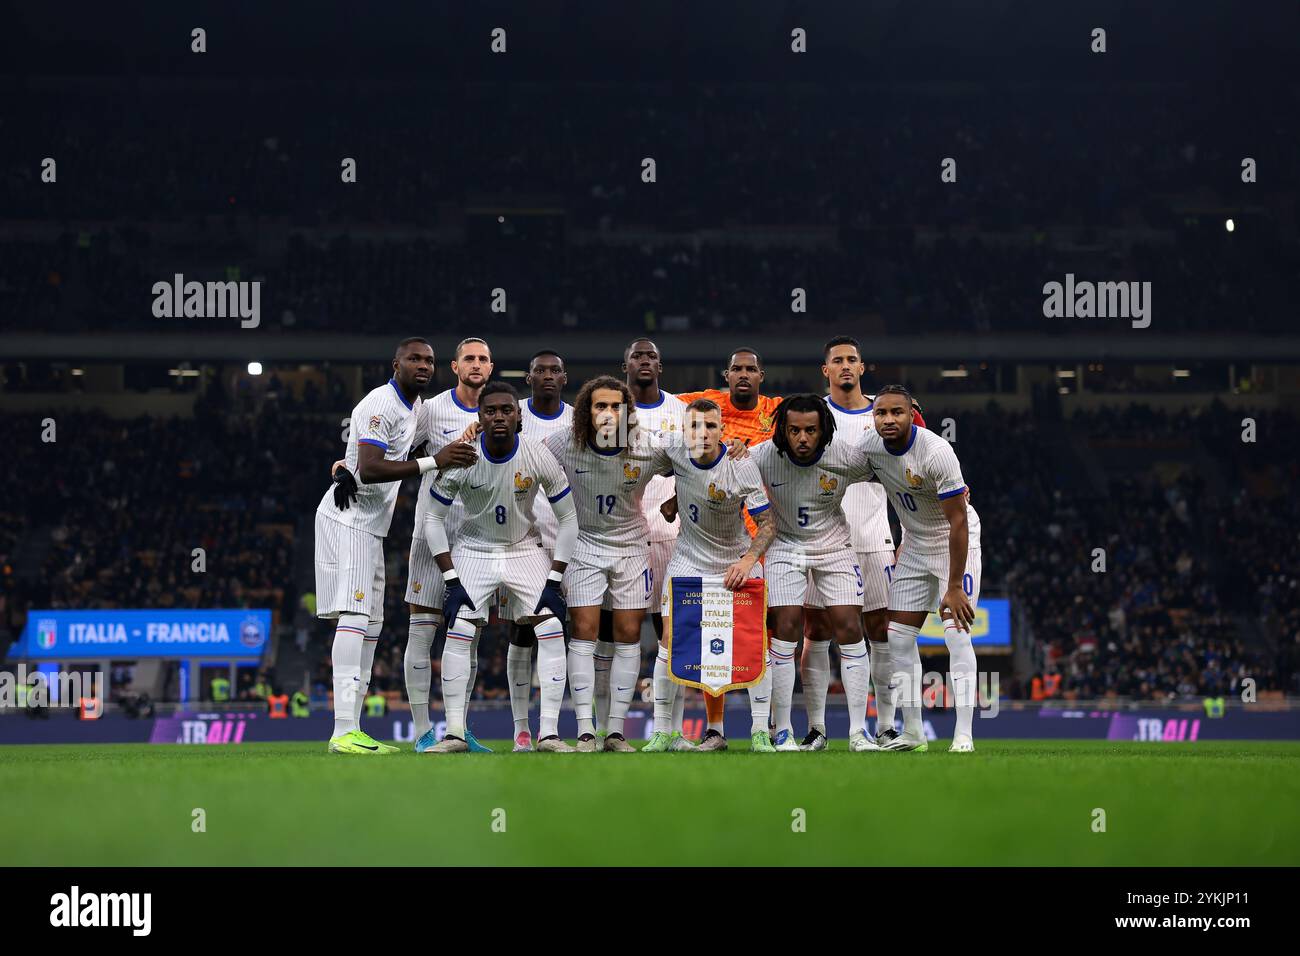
(473, 667)
(855, 673)
(665, 692)
(816, 679)
(582, 677)
(679, 709)
(349, 634)
(780, 662)
(623, 675)
(907, 675)
(455, 674)
(961, 664)
(882, 663)
(368, 648)
(760, 704)
(604, 659)
(519, 671)
(550, 674)
(419, 675)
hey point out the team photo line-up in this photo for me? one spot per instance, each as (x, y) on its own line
(571, 519)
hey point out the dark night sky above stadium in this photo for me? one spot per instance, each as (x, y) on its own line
(863, 40)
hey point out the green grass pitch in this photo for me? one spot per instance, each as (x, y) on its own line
(1012, 802)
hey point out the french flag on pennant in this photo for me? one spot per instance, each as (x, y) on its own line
(717, 639)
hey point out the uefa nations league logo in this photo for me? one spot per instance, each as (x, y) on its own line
(47, 632)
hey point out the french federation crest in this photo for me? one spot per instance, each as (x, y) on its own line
(717, 639)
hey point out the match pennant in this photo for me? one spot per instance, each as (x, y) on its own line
(717, 639)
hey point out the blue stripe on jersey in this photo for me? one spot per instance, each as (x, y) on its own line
(373, 441)
(910, 442)
(452, 392)
(686, 622)
(445, 501)
(722, 453)
(549, 418)
(795, 461)
(662, 396)
(849, 411)
(556, 498)
(758, 511)
(603, 451)
(393, 382)
(488, 455)
(949, 494)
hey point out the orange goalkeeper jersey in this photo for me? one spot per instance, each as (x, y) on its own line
(750, 425)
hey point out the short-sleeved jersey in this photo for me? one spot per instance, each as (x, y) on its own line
(807, 498)
(661, 422)
(608, 488)
(385, 419)
(711, 503)
(917, 479)
(865, 503)
(498, 494)
(443, 421)
(539, 428)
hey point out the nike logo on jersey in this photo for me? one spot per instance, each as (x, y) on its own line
(448, 431)
(581, 471)
(477, 487)
(778, 484)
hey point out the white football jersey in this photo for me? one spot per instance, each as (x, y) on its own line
(807, 499)
(865, 503)
(710, 499)
(917, 479)
(539, 428)
(386, 420)
(443, 421)
(608, 487)
(498, 494)
(663, 422)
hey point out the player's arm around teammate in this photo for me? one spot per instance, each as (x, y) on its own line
(807, 470)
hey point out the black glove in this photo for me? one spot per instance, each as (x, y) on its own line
(345, 489)
(553, 600)
(455, 599)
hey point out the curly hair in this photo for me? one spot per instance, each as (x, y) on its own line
(806, 402)
(583, 427)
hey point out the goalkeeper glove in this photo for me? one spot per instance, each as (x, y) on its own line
(552, 598)
(345, 489)
(456, 598)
